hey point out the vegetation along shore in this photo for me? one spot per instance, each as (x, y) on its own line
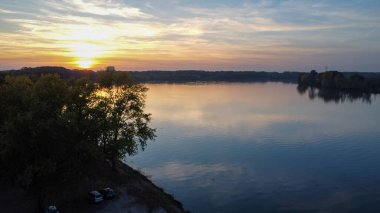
(64, 137)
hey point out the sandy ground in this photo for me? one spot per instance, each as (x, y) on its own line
(126, 203)
(139, 195)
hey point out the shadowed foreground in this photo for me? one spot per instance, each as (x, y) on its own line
(135, 193)
(60, 139)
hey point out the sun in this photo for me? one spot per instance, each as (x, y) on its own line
(85, 63)
(85, 54)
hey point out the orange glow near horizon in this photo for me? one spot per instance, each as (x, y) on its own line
(85, 54)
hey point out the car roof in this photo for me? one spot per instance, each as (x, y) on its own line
(95, 193)
(52, 208)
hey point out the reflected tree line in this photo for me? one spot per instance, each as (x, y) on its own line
(337, 96)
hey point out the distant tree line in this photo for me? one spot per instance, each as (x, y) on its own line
(54, 130)
(181, 75)
(217, 76)
(334, 80)
(162, 76)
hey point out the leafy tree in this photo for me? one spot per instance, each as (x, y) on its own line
(124, 125)
(14, 103)
(52, 130)
(32, 130)
(81, 129)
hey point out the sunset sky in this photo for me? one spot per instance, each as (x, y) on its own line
(272, 35)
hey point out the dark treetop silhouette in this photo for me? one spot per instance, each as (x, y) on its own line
(53, 131)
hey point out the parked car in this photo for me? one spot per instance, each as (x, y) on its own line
(95, 197)
(108, 193)
(51, 209)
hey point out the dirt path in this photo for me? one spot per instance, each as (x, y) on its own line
(126, 203)
(138, 194)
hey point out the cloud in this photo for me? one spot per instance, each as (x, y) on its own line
(6, 11)
(102, 8)
(239, 35)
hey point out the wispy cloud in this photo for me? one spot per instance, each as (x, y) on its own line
(102, 8)
(6, 11)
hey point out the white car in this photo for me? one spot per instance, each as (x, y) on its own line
(95, 197)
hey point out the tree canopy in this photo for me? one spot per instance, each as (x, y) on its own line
(52, 128)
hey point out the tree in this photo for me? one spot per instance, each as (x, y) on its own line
(81, 129)
(123, 123)
(15, 101)
(33, 130)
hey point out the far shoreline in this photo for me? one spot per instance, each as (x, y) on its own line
(178, 76)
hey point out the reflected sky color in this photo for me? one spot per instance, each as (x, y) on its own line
(180, 34)
(240, 147)
(245, 108)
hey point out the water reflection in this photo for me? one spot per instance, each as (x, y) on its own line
(337, 96)
(217, 105)
(177, 171)
(261, 111)
(262, 148)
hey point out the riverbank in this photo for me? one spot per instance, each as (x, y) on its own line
(135, 193)
(139, 194)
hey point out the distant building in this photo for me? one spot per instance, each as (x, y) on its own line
(111, 69)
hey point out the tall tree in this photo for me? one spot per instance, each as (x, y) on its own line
(81, 128)
(124, 122)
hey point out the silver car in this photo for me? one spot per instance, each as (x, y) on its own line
(95, 197)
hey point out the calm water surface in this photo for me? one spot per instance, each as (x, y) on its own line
(262, 148)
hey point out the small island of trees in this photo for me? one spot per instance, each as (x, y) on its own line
(339, 81)
(333, 86)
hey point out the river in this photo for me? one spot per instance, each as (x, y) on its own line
(263, 147)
